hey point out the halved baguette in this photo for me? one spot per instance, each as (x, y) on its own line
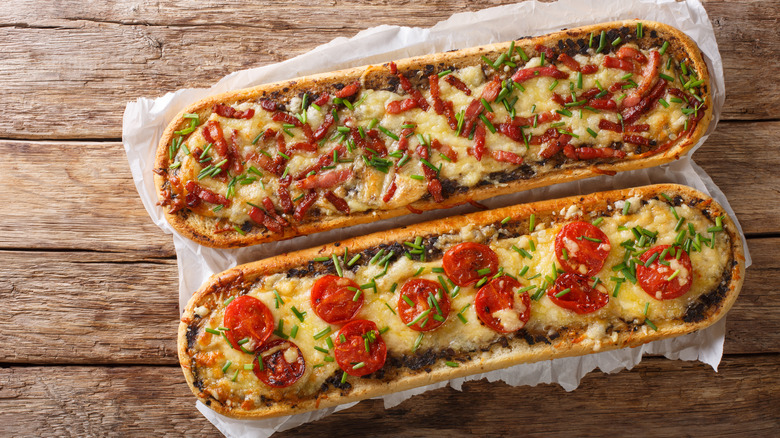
(674, 127)
(456, 348)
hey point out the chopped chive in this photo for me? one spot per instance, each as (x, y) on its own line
(626, 207)
(417, 177)
(553, 85)
(419, 271)
(451, 364)
(321, 334)
(639, 32)
(278, 299)
(505, 220)
(579, 79)
(444, 73)
(487, 106)
(532, 222)
(294, 331)
(487, 123)
(663, 48)
(336, 263)
(391, 309)
(672, 277)
(354, 259)
(408, 300)
(212, 331)
(650, 323)
(484, 271)
(541, 59)
(227, 366)
(298, 314)
(617, 41)
(602, 42)
(522, 54)
(417, 342)
(320, 349)
(388, 133)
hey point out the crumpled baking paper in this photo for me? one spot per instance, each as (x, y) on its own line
(145, 119)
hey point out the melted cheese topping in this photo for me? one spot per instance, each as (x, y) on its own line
(632, 303)
(365, 191)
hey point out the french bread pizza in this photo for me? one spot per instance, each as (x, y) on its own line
(458, 296)
(355, 146)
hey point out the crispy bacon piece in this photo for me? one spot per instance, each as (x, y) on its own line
(281, 145)
(286, 118)
(610, 126)
(626, 52)
(479, 142)
(322, 100)
(470, 117)
(636, 139)
(603, 103)
(284, 194)
(434, 188)
(232, 113)
(413, 209)
(257, 215)
(322, 130)
(631, 114)
(349, 90)
(507, 157)
(649, 77)
(196, 193)
(393, 68)
(377, 145)
(305, 204)
(548, 52)
(302, 146)
(273, 165)
(636, 128)
(681, 94)
(458, 84)
(548, 135)
(511, 130)
(560, 100)
(622, 64)
(340, 204)
(551, 71)
(213, 134)
(269, 134)
(568, 61)
(556, 146)
(325, 180)
(588, 153)
(390, 191)
(589, 69)
(399, 106)
(270, 211)
(590, 94)
(440, 106)
(413, 92)
(449, 152)
(324, 160)
(478, 205)
(268, 105)
(491, 90)
(234, 156)
(617, 86)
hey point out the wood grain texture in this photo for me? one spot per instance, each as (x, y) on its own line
(93, 308)
(94, 204)
(658, 398)
(73, 66)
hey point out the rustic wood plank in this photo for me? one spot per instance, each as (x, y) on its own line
(94, 204)
(73, 66)
(105, 308)
(659, 398)
(91, 201)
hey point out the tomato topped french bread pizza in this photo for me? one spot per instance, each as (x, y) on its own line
(353, 146)
(448, 298)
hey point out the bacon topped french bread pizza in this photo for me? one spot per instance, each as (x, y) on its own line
(354, 146)
(458, 296)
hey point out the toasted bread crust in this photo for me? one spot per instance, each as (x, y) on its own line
(201, 229)
(708, 311)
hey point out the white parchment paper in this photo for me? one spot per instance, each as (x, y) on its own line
(145, 119)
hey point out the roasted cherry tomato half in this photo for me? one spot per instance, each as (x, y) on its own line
(362, 350)
(581, 248)
(333, 299)
(467, 262)
(579, 297)
(664, 282)
(248, 318)
(282, 364)
(430, 305)
(500, 307)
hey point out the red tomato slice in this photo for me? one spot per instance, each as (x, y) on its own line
(499, 296)
(419, 291)
(582, 298)
(654, 279)
(248, 317)
(586, 247)
(276, 370)
(332, 300)
(352, 352)
(463, 261)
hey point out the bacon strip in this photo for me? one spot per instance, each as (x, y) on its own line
(232, 113)
(491, 90)
(568, 61)
(649, 76)
(322, 130)
(636, 139)
(268, 105)
(556, 146)
(399, 106)
(627, 52)
(548, 52)
(340, 204)
(622, 64)
(324, 160)
(349, 90)
(305, 204)
(325, 180)
(415, 93)
(458, 84)
(440, 106)
(212, 132)
(322, 100)
(450, 153)
(507, 157)
(270, 211)
(196, 193)
(631, 114)
(525, 74)
(588, 153)
(473, 111)
(479, 142)
(284, 194)
(390, 191)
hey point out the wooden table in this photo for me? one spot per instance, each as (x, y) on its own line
(89, 282)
